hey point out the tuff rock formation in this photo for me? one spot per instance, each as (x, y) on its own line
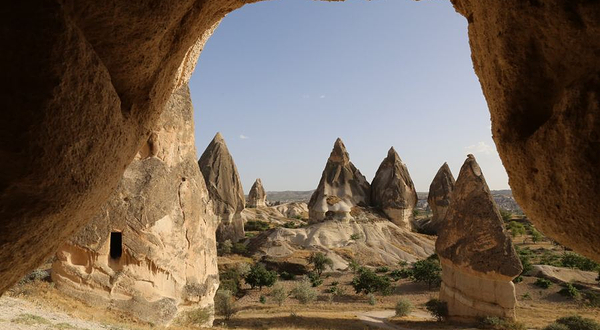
(476, 252)
(257, 196)
(87, 79)
(151, 250)
(438, 199)
(225, 189)
(393, 191)
(342, 187)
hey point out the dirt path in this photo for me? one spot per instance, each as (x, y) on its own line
(378, 319)
(17, 314)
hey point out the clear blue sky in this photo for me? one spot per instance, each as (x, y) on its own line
(281, 80)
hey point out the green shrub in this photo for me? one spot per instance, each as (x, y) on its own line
(592, 299)
(577, 322)
(287, 276)
(403, 307)
(290, 224)
(259, 276)
(525, 257)
(570, 291)
(304, 292)
(427, 271)
(256, 225)
(231, 281)
(278, 294)
(516, 228)
(224, 248)
(556, 326)
(371, 299)
(437, 308)
(550, 258)
(518, 279)
(506, 215)
(224, 304)
(239, 248)
(543, 283)
(366, 281)
(573, 260)
(262, 299)
(526, 296)
(335, 283)
(315, 279)
(497, 323)
(397, 274)
(536, 236)
(355, 236)
(354, 266)
(320, 262)
(382, 269)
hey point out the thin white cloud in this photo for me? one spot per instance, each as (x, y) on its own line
(243, 137)
(322, 96)
(480, 148)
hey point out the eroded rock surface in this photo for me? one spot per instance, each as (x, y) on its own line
(370, 238)
(476, 252)
(393, 191)
(151, 250)
(87, 79)
(440, 191)
(257, 196)
(342, 187)
(225, 189)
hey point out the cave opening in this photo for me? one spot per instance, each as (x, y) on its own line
(116, 245)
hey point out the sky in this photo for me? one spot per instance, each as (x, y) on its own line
(281, 80)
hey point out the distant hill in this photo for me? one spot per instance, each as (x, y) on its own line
(503, 198)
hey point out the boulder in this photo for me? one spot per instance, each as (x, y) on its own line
(478, 259)
(342, 187)
(438, 199)
(225, 189)
(257, 196)
(393, 191)
(151, 250)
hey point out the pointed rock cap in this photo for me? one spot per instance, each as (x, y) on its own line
(339, 153)
(393, 191)
(440, 191)
(257, 196)
(473, 235)
(224, 186)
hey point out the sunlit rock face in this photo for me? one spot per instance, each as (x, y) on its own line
(476, 252)
(257, 196)
(342, 187)
(225, 189)
(87, 79)
(151, 250)
(440, 192)
(393, 191)
(538, 65)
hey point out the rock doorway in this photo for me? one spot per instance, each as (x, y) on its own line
(116, 245)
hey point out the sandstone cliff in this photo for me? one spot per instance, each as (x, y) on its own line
(225, 189)
(342, 187)
(393, 191)
(151, 250)
(476, 252)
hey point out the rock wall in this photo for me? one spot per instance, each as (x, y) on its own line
(85, 79)
(477, 256)
(151, 250)
(225, 189)
(393, 190)
(341, 187)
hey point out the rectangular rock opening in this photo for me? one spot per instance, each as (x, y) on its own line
(116, 245)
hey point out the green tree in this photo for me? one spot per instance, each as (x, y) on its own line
(278, 294)
(319, 262)
(366, 281)
(437, 308)
(506, 215)
(259, 276)
(427, 271)
(304, 292)
(224, 304)
(516, 228)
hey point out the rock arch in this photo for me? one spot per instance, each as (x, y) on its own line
(84, 82)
